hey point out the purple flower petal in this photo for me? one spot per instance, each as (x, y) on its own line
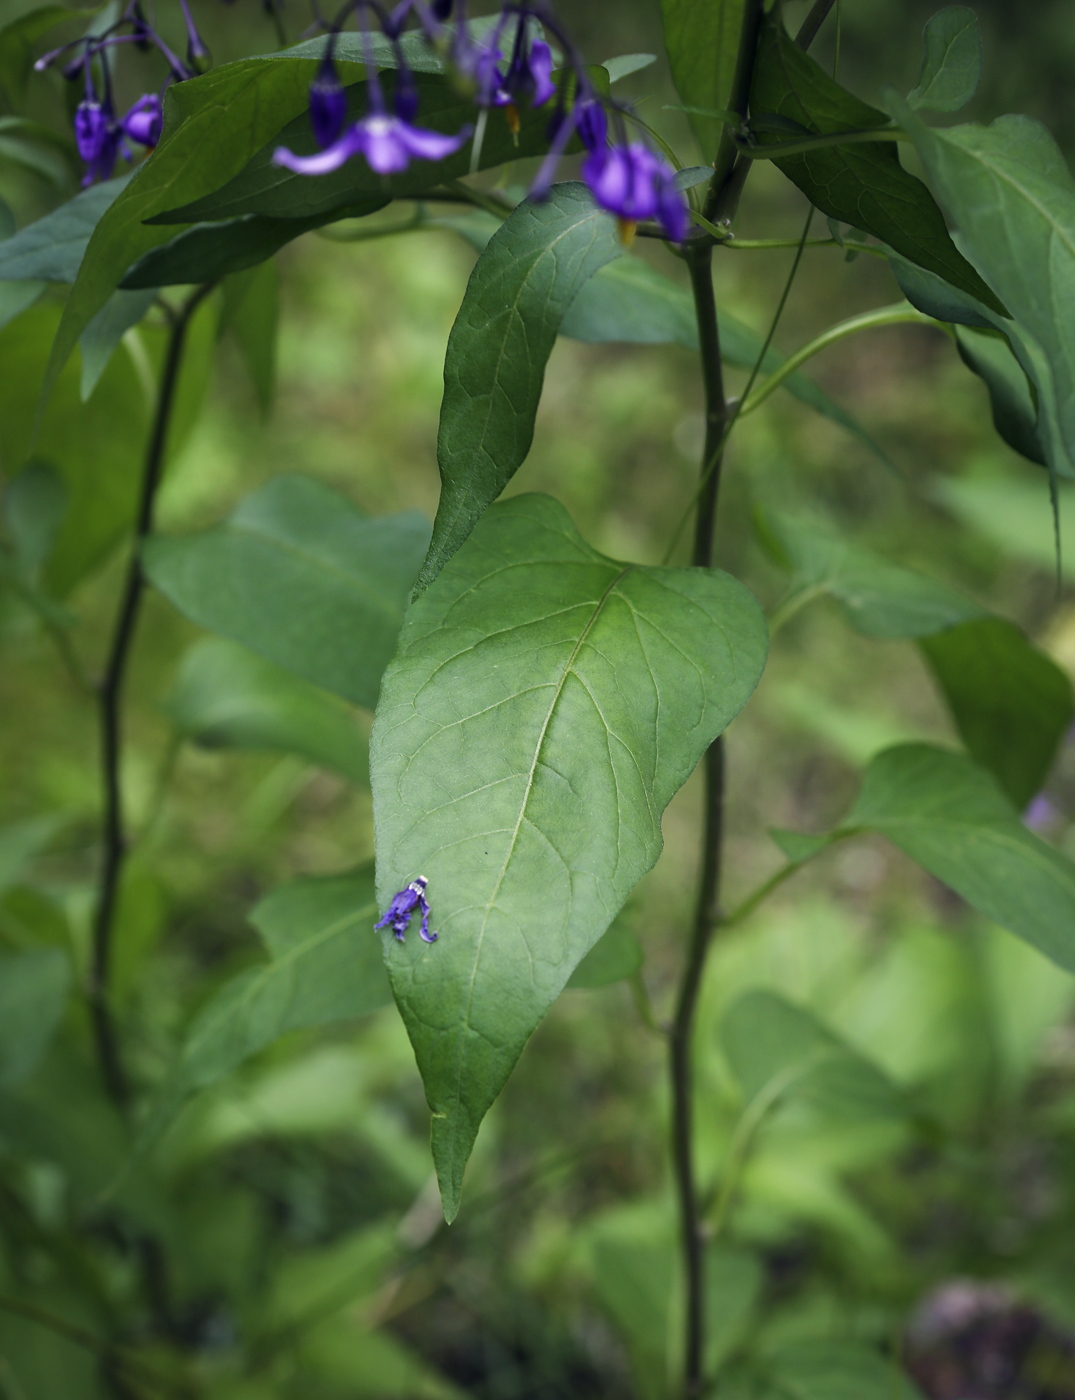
(431, 145)
(324, 162)
(592, 125)
(380, 141)
(143, 122)
(541, 73)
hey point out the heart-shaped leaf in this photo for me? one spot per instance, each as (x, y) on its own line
(544, 705)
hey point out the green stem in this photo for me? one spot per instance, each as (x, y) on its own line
(869, 320)
(786, 609)
(812, 23)
(115, 839)
(779, 149)
(722, 195)
(759, 244)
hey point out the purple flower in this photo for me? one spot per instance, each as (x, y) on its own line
(143, 122)
(328, 104)
(591, 124)
(634, 184)
(388, 143)
(93, 126)
(403, 905)
(530, 74)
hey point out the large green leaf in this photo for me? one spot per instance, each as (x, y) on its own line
(101, 338)
(863, 185)
(951, 61)
(952, 818)
(776, 1049)
(877, 598)
(837, 1370)
(299, 575)
(1011, 197)
(325, 966)
(33, 994)
(225, 697)
(1011, 703)
(52, 248)
(522, 284)
(544, 705)
(701, 38)
(261, 187)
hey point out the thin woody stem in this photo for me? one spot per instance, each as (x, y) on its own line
(115, 840)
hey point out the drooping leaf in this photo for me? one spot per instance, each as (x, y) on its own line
(1011, 394)
(52, 248)
(1011, 703)
(325, 966)
(99, 340)
(299, 575)
(542, 708)
(863, 185)
(522, 285)
(877, 598)
(252, 314)
(776, 1049)
(614, 957)
(701, 38)
(33, 993)
(951, 817)
(1011, 197)
(225, 697)
(930, 293)
(951, 61)
(260, 187)
(209, 251)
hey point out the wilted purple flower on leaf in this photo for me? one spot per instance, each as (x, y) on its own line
(403, 905)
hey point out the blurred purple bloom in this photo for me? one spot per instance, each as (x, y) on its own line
(143, 122)
(634, 184)
(403, 905)
(530, 75)
(388, 143)
(1041, 813)
(591, 124)
(328, 104)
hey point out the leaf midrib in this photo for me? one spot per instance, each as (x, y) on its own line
(568, 667)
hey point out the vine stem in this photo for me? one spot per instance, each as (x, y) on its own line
(110, 699)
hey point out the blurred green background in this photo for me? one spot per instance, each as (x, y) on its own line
(307, 1177)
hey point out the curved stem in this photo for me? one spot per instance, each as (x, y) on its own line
(115, 842)
(868, 321)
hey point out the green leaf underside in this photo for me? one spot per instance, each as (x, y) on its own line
(544, 705)
(1011, 703)
(951, 817)
(269, 190)
(862, 185)
(325, 967)
(777, 1049)
(1011, 395)
(951, 61)
(701, 38)
(1011, 197)
(225, 697)
(299, 575)
(521, 286)
(878, 599)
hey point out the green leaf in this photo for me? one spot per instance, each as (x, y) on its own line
(225, 697)
(101, 337)
(878, 599)
(34, 506)
(522, 285)
(544, 705)
(951, 62)
(1012, 397)
(260, 187)
(19, 45)
(951, 817)
(52, 249)
(299, 575)
(613, 958)
(17, 297)
(1011, 703)
(1011, 197)
(210, 251)
(701, 38)
(1012, 514)
(626, 64)
(252, 315)
(33, 994)
(634, 1280)
(776, 1049)
(325, 967)
(837, 1370)
(863, 185)
(938, 298)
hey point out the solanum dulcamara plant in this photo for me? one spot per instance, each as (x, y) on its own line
(536, 704)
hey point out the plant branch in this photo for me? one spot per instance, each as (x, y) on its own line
(900, 314)
(115, 841)
(813, 22)
(723, 190)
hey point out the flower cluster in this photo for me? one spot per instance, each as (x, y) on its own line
(508, 65)
(100, 135)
